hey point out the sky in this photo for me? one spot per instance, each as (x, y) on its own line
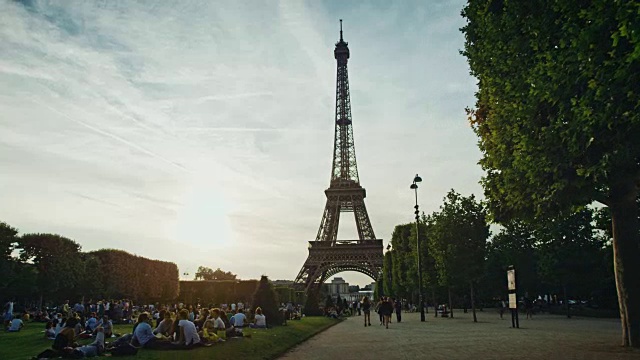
(201, 132)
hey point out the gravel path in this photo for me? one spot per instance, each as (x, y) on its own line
(544, 337)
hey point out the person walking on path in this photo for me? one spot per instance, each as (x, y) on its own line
(366, 308)
(386, 308)
(398, 305)
(528, 305)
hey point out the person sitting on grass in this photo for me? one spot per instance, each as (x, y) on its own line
(333, 313)
(202, 318)
(107, 326)
(79, 330)
(219, 327)
(49, 331)
(59, 322)
(230, 330)
(209, 331)
(96, 348)
(92, 323)
(238, 320)
(63, 342)
(15, 325)
(143, 335)
(259, 320)
(165, 326)
(188, 334)
(66, 336)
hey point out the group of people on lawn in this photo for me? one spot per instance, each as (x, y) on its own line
(173, 327)
(177, 330)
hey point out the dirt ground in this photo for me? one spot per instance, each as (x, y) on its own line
(543, 337)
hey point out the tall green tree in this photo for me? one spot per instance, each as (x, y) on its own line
(378, 291)
(427, 261)
(557, 117)
(387, 274)
(515, 245)
(570, 254)
(8, 239)
(403, 280)
(458, 240)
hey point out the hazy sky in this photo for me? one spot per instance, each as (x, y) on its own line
(201, 132)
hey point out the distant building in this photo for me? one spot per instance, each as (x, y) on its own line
(338, 287)
(367, 290)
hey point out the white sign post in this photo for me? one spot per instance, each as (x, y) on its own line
(513, 298)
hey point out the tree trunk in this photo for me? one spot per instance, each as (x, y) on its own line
(450, 304)
(566, 301)
(626, 259)
(435, 302)
(426, 303)
(473, 304)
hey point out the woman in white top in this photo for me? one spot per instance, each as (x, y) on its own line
(259, 321)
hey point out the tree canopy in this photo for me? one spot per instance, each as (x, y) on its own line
(205, 273)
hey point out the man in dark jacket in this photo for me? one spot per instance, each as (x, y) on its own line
(398, 306)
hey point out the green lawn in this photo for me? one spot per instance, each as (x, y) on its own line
(263, 344)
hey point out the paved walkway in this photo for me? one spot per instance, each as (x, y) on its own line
(544, 337)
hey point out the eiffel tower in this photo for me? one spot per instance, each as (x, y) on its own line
(328, 255)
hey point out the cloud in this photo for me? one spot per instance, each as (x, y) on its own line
(205, 128)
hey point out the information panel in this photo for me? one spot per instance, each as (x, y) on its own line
(511, 279)
(513, 301)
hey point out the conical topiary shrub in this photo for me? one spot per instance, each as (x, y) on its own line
(265, 297)
(311, 305)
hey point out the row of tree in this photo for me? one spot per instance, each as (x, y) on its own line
(51, 268)
(569, 256)
(207, 273)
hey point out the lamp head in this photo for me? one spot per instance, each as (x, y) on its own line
(417, 179)
(413, 186)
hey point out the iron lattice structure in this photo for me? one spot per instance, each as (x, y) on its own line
(328, 255)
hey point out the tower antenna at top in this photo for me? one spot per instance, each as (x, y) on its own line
(341, 30)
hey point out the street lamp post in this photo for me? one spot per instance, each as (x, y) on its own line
(414, 186)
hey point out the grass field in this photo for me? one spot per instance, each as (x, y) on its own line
(263, 344)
